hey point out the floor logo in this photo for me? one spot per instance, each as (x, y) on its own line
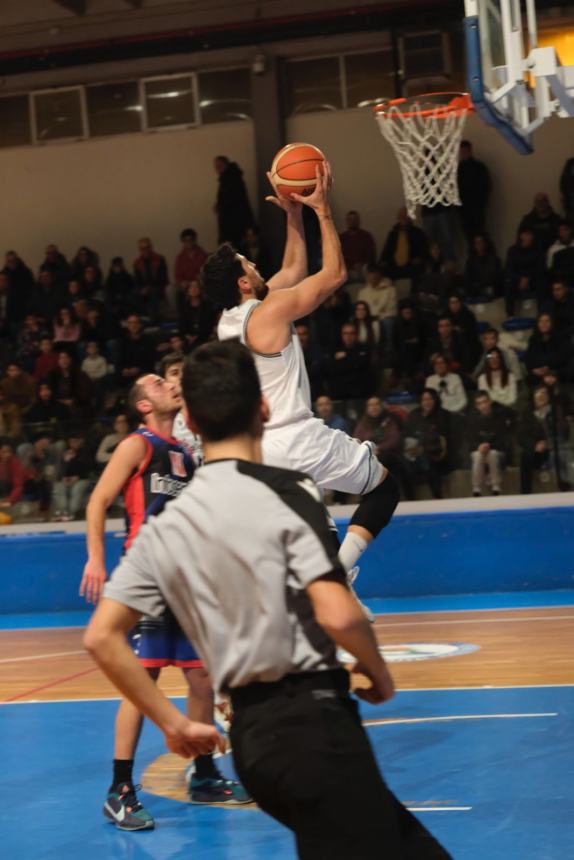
(412, 652)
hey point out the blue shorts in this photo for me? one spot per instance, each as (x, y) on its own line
(159, 642)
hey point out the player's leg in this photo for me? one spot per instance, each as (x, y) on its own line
(477, 471)
(122, 805)
(372, 515)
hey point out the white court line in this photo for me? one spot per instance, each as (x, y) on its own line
(508, 620)
(408, 720)
(43, 656)
(439, 808)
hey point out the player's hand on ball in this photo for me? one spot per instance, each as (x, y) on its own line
(318, 199)
(382, 686)
(288, 204)
(93, 581)
(190, 739)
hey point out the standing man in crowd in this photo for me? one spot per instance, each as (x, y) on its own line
(268, 632)
(151, 468)
(358, 247)
(474, 187)
(232, 207)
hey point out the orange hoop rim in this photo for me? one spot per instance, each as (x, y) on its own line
(457, 104)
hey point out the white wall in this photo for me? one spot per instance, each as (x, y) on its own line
(367, 176)
(107, 193)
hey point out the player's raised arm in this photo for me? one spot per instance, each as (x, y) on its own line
(285, 306)
(126, 458)
(294, 266)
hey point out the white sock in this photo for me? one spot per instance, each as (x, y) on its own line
(351, 549)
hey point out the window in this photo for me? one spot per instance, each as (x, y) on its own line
(114, 108)
(169, 101)
(225, 96)
(15, 121)
(313, 85)
(369, 77)
(58, 114)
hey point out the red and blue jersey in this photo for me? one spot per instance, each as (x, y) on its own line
(165, 471)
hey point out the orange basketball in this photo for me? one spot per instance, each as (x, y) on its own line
(294, 168)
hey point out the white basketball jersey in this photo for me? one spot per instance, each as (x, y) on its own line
(283, 375)
(182, 433)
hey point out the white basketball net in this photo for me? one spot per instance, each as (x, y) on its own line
(425, 136)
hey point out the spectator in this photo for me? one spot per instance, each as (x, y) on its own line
(358, 247)
(483, 271)
(430, 288)
(67, 329)
(490, 340)
(368, 330)
(426, 442)
(71, 387)
(474, 187)
(548, 352)
(47, 361)
(101, 328)
(151, 278)
(349, 371)
(71, 488)
(85, 258)
(567, 189)
(47, 410)
(196, 315)
(119, 289)
(253, 247)
(58, 267)
(92, 282)
(524, 270)
(21, 282)
(190, 259)
(561, 254)
(564, 242)
(561, 308)
(11, 475)
(380, 295)
(448, 385)
(232, 205)
(405, 250)
(10, 418)
(94, 365)
(27, 346)
(498, 382)
(41, 460)
(74, 293)
(136, 351)
(325, 410)
(486, 434)
(449, 343)
(18, 387)
(8, 313)
(543, 221)
(381, 427)
(464, 324)
(110, 442)
(313, 360)
(409, 342)
(47, 297)
(328, 319)
(543, 437)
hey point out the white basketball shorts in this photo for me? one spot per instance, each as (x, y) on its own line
(330, 457)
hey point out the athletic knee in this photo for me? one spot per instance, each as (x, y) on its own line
(199, 682)
(377, 507)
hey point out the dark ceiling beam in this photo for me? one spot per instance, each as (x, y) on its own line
(78, 7)
(134, 4)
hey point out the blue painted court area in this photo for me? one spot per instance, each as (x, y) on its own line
(497, 763)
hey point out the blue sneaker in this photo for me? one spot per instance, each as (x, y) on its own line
(123, 809)
(217, 791)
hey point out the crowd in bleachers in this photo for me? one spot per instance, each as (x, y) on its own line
(456, 362)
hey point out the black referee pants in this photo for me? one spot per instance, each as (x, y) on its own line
(299, 748)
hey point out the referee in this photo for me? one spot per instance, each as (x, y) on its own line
(245, 560)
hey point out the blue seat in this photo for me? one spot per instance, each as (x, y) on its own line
(482, 325)
(518, 323)
(401, 398)
(480, 300)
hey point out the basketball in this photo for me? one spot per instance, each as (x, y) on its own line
(294, 169)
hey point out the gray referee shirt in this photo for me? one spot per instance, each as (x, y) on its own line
(231, 556)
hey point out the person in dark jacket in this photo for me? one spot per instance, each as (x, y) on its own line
(232, 207)
(548, 352)
(427, 442)
(543, 434)
(21, 282)
(464, 323)
(47, 297)
(349, 372)
(119, 289)
(72, 387)
(151, 278)
(57, 265)
(483, 270)
(409, 342)
(487, 433)
(567, 189)
(196, 315)
(460, 352)
(524, 271)
(47, 410)
(136, 352)
(405, 250)
(474, 186)
(561, 308)
(85, 258)
(543, 221)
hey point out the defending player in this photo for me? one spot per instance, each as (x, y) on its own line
(261, 315)
(150, 468)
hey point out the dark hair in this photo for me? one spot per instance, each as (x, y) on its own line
(503, 367)
(171, 359)
(491, 330)
(368, 321)
(188, 233)
(221, 389)
(117, 261)
(466, 143)
(435, 396)
(222, 158)
(481, 394)
(219, 276)
(135, 394)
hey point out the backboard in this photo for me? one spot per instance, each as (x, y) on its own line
(514, 84)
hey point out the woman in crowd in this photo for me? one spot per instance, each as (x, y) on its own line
(368, 328)
(197, 316)
(548, 352)
(426, 442)
(483, 270)
(67, 329)
(497, 380)
(110, 442)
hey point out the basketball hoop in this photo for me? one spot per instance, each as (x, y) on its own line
(425, 133)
